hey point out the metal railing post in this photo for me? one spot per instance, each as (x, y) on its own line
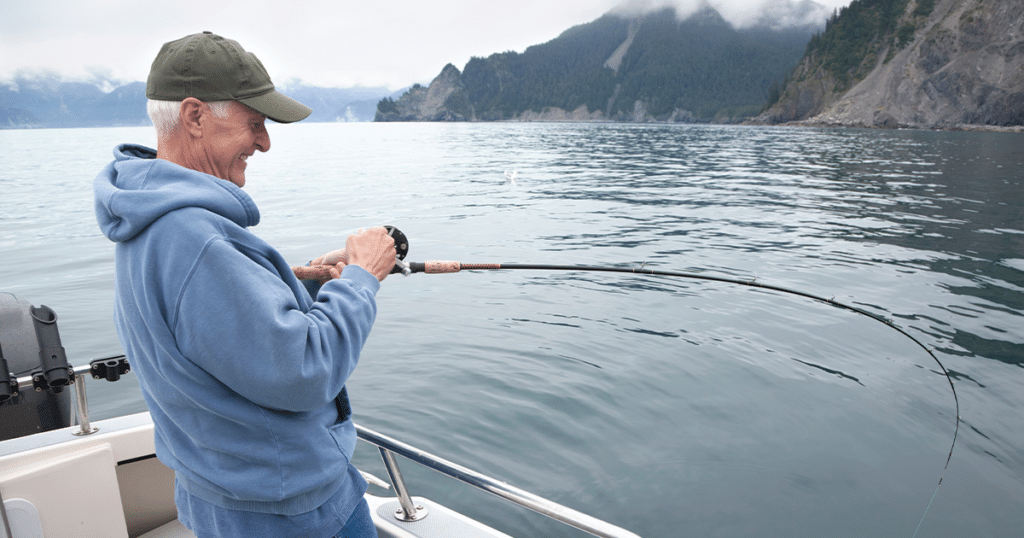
(409, 511)
(83, 406)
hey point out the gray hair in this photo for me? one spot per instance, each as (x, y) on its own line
(164, 114)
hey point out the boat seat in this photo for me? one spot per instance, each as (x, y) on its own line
(173, 529)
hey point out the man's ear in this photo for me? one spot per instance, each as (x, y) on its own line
(190, 114)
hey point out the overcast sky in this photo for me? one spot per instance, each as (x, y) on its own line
(338, 43)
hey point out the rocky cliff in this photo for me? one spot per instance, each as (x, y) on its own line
(942, 64)
(445, 99)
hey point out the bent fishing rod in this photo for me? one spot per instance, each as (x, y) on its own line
(324, 272)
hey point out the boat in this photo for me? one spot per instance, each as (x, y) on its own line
(64, 476)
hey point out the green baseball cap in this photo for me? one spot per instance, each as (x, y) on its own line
(211, 68)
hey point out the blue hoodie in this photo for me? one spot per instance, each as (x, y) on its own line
(239, 366)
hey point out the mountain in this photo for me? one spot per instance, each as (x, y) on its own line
(911, 63)
(336, 104)
(47, 101)
(622, 67)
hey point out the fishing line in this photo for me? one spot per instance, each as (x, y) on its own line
(440, 267)
(562, 254)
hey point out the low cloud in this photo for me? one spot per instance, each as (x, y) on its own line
(741, 13)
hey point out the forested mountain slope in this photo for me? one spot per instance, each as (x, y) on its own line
(648, 67)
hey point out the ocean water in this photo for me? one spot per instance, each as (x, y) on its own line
(670, 407)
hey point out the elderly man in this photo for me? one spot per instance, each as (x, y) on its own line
(242, 367)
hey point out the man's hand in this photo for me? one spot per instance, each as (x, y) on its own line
(321, 272)
(373, 250)
(323, 268)
(333, 257)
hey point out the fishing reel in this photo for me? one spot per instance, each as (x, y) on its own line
(401, 250)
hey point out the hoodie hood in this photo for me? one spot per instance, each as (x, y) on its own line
(136, 189)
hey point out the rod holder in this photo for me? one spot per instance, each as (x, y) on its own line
(8, 383)
(52, 357)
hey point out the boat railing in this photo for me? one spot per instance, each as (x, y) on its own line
(410, 512)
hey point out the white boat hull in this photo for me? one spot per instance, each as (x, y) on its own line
(109, 484)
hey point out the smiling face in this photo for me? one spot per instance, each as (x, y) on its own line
(228, 142)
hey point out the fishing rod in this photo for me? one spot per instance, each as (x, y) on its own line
(323, 272)
(447, 266)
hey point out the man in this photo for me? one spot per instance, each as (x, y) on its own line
(242, 369)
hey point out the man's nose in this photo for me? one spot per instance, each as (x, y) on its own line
(263, 139)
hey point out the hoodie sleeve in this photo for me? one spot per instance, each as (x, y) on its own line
(238, 319)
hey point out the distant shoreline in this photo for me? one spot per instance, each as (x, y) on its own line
(803, 123)
(961, 127)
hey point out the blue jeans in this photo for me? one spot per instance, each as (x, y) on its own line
(359, 524)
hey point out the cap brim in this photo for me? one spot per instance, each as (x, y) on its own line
(278, 107)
